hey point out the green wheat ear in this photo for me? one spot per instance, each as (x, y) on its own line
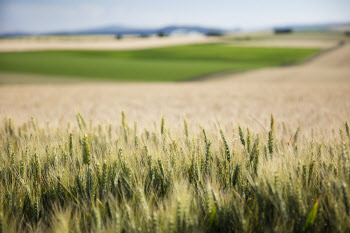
(123, 119)
(104, 178)
(171, 224)
(71, 144)
(270, 142)
(86, 150)
(248, 140)
(81, 122)
(22, 168)
(162, 126)
(272, 123)
(87, 161)
(179, 210)
(241, 135)
(97, 219)
(207, 158)
(36, 167)
(36, 210)
(347, 130)
(255, 154)
(186, 128)
(227, 149)
(155, 223)
(271, 135)
(296, 135)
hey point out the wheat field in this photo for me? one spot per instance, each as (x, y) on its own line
(260, 151)
(126, 179)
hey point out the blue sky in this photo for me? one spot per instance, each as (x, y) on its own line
(53, 15)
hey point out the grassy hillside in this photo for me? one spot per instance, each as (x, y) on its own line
(175, 63)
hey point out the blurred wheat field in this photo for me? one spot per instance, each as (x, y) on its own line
(311, 95)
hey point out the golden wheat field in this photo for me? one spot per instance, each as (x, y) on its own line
(258, 151)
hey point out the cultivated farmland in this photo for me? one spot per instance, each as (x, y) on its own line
(265, 150)
(177, 63)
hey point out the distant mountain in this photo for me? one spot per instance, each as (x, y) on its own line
(15, 34)
(171, 30)
(100, 30)
(191, 29)
(314, 27)
(122, 30)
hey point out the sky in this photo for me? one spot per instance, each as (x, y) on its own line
(56, 15)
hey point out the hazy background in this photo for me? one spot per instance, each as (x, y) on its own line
(53, 15)
(231, 63)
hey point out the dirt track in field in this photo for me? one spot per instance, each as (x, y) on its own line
(312, 95)
(97, 43)
(108, 42)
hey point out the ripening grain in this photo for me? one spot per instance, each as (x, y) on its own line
(100, 178)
